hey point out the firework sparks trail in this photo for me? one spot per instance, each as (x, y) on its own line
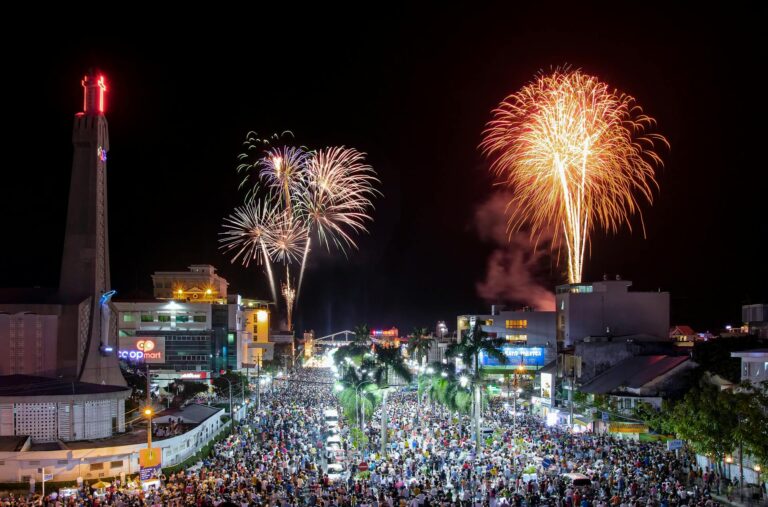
(337, 191)
(327, 192)
(247, 232)
(290, 295)
(575, 153)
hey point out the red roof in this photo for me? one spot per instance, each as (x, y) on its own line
(681, 330)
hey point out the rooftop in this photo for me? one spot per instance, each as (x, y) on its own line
(12, 443)
(633, 372)
(29, 385)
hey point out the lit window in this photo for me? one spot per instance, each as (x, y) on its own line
(128, 317)
(199, 318)
(147, 317)
(163, 318)
(182, 318)
(489, 322)
(517, 324)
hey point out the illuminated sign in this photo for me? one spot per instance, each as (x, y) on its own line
(527, 356)
(389, 333)
(546, 388)
(144, 349)
(194, 375)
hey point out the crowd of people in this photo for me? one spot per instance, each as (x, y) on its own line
(276, 457)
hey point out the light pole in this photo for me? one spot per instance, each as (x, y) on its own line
(148, 412)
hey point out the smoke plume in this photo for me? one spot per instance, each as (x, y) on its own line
(511, 275)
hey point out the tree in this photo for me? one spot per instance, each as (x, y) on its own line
(388, 359)
(706, 419)
(475, 342)
(237, 380)
(362, 334)
(185, 390)
(419, 344)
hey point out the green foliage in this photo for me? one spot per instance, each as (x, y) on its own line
(715, 422)
(238, 381)
(359, 439)
(419, 343)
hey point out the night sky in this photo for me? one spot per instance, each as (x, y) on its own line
(413, 90)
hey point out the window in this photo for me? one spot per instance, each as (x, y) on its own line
(182, 318)
(517, 324)
(129, 317)
(147, 317)
(163, 318)
(200, 318)
(231, 337)
(489, 322)
(115, 464)
(97, 466)
(126, 332)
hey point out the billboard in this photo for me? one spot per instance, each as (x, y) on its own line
(547, 391)
(146, 349)
(527, 356)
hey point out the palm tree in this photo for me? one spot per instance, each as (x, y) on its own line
(475, 342)
(357, 394)
(386, 360)
(419, 343)
(362, 334)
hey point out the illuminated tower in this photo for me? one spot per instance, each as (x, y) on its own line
(84, 282)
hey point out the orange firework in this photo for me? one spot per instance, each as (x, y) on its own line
(575, 154)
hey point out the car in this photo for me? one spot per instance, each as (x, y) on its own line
(577, 480)
(336, 472)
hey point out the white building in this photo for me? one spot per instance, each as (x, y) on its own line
(754, 365)
(609, 308)
(199, 284)
(529, 336)
(205, 336)
(48, 410)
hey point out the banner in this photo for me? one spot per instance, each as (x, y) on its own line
(624, 427)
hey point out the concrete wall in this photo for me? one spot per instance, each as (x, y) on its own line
(30, 344)
(616, 309)
(67, 465)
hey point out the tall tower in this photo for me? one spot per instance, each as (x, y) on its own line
(84, 281)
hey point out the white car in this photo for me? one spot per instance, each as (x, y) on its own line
(336, 472)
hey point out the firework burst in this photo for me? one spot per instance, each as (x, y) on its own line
(576, 155)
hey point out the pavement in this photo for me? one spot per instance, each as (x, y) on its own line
(736, 499)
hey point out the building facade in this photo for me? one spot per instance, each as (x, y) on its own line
(754, 365)
(609, 308)
(199, 284)
(529, 336)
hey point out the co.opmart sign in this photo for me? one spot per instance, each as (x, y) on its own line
(142, 348)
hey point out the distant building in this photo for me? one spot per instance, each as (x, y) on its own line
(199, 284)
(609, 308)
(754, 365)
(648, 379)
(683, 336)
(755, 318)
(194, 336)
(529, 336)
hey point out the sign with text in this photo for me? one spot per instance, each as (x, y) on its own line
(547, 391)
(145, 349)
(624, 427)
(673, 445)
(527, 356)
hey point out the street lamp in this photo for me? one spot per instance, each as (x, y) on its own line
(148, 412)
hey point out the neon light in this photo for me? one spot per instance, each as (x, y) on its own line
(107, 296)
(102, 89)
